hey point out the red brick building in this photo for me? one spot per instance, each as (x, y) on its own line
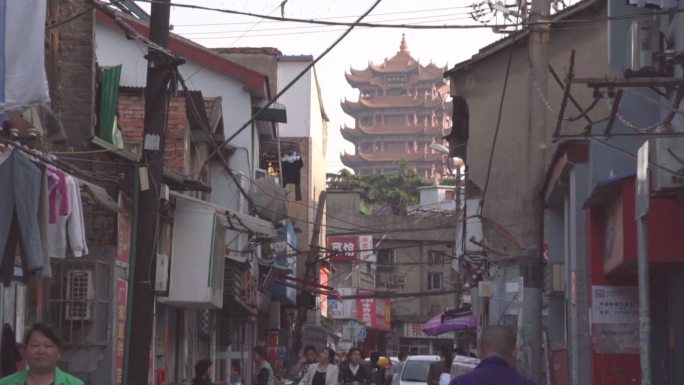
(402, 109)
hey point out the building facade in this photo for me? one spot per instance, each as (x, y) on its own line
(401, 110)
(413, 256)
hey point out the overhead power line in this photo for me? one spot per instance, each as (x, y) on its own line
(431, 19)
(414, 26)
(419, 294)
(498, 127)
(411, 12)
(294, 80)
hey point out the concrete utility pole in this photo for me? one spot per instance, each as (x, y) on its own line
(643, 196)
(141, 289)
(531, 268)
(311, 265)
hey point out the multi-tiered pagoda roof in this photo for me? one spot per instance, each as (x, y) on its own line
(401, 110)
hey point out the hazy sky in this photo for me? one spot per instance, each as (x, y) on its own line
(356, 50)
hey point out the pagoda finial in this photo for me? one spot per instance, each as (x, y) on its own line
(403, 47)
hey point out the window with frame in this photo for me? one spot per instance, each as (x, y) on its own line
(434, 281)
(435, 258)
(387, 257)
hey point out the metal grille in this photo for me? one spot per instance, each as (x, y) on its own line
(79, 300)
(79, 292)
(203, 323)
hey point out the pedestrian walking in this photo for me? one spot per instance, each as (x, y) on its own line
(302, 367)
(43, 350)
(379, 366)
(352, 371)
(440, 371)
(264, 370)
(202, 373)
(497, 355)
(324, 372)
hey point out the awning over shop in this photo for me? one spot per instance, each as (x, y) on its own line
(440, 324)
(606, 189)
(236, 221)
(99, 195)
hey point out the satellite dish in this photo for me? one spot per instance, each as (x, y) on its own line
(440, 148)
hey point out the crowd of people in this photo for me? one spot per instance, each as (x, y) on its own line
(42, 351)
(324, 368)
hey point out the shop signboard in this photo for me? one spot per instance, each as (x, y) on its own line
(374, 312)
(343, 248)
(123, 224)
(615, 319)
(120, 339)
(342, 308)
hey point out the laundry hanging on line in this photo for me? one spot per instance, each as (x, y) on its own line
(292, 172)
(42, 213)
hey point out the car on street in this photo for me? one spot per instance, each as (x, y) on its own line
(415, 370)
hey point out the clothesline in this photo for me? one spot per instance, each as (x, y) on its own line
(56, 162)
(42, 213)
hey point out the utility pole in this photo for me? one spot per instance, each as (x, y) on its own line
(643, 196)
(309, 277)
(531, 268)
(141, 288)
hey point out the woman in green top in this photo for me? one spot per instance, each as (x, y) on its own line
(42, 351)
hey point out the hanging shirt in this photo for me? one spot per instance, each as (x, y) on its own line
(292, 166)
(71, 225)
(59, 197)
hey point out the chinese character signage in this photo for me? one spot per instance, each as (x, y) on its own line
(343, 248)
(120, 339)
(366, 252)
(123, 241)
(414, 331)
(374, 312)
(615, 319)
(615, 304)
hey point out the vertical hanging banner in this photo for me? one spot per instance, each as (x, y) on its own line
(366, 252)
(374, 312)
(120, 340)
(23, 82)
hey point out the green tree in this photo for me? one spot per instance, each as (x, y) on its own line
(394, 191)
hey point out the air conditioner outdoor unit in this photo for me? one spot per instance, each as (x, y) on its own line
(401, 280)
(669, 153)
(643, 44)
(558, 278)
(80, 291)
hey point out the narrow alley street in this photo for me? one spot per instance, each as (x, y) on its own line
(321, 192)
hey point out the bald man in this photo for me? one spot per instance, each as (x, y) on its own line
(497, 358)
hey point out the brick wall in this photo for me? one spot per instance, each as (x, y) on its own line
(131, 122)
(71, 67)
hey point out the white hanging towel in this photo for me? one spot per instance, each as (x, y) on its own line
(23, 82)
